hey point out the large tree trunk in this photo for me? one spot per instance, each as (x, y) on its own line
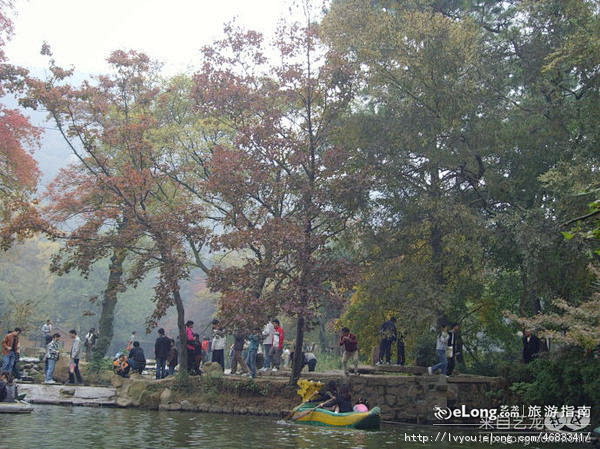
(183, 358)
(109, 303)
(298, 355)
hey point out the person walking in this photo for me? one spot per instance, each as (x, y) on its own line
(190, 345)
(268, 334)
(172, 357)
(10, 350)
(277, 349)
(454, 347)
(401, 359)
(531, 346)
(89, 343)
(74, 373)
(238, 347)
(389, 334)
(253, 343)
(52, 356)
(130, 341)
(205, 349)
(162, 346)
(218, 344)
(440, 348)
(350, 344)
(47, 332)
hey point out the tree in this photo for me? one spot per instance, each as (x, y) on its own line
(18, 170)
(278, 178)
(128, 206)
(470, 111)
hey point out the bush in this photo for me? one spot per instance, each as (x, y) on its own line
(567, 378)
(424, 350)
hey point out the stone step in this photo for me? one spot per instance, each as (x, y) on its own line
(69, 394)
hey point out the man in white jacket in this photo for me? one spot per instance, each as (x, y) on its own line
(268, 332)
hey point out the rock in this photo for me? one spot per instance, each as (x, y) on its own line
(213, 370)
(124, 402)
(165, 396)
(149, 400)
(187, 405)
(117, 381)
(135, 390)
(67, 391)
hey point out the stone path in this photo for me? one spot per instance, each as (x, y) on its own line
(69, 394)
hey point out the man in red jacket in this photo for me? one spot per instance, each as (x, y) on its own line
(277, 348)
(350, 344)
(10, 348)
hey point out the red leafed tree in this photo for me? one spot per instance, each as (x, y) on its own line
(283, 188)
(123, 205)
(18, 170)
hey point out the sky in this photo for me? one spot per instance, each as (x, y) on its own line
(84, 32)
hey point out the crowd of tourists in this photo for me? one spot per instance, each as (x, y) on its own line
(245, 355)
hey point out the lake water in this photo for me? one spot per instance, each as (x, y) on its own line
(57, 427)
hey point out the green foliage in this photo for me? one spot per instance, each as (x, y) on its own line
(570, 378)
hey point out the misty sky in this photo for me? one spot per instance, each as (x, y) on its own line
(82, 33)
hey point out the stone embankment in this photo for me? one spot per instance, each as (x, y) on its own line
(402, 398)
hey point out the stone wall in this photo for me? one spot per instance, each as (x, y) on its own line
(401, 398)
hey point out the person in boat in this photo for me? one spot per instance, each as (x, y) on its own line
(121, 366)
(361, 406)
(326, 393)
(342, 403)
(137, 358)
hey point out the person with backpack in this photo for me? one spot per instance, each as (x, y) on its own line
(137, 358)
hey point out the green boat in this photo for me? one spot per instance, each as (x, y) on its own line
(370, 420)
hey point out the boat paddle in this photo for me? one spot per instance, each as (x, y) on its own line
(303, 413)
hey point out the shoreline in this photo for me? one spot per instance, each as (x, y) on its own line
(403, 399)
